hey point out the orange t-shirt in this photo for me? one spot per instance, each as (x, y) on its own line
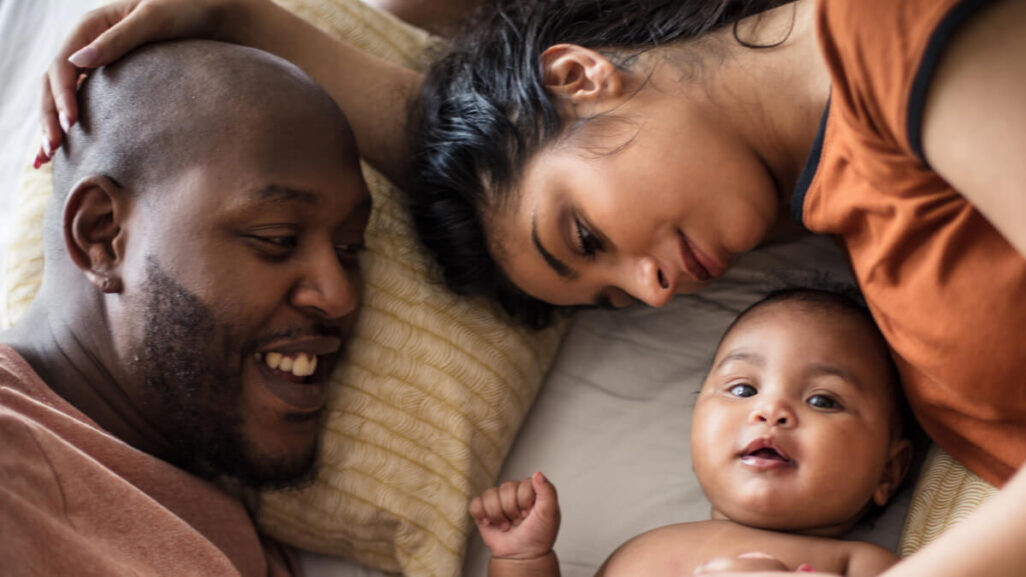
(75, 500)
(948, 291)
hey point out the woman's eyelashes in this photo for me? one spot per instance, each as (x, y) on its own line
(587, 243)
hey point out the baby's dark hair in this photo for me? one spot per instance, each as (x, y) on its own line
(484, 113)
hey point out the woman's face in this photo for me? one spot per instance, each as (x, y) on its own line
(661, 207)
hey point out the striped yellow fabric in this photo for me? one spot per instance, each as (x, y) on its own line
(430, 399)
(946, 493)
(23, 263)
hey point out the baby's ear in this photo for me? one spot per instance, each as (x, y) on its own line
(898, 463)
(94, 213)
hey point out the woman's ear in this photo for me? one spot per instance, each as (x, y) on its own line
(94, 236)
(578, 75)
(894, 471)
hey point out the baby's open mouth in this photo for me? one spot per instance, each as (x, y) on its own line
(767, 453)
(764, 452)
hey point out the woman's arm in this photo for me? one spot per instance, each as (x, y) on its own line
(988, 543)
(374, 93)
(974, 120)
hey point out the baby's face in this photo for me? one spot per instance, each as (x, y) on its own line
(792, 429)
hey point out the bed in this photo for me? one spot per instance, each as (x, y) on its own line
(606, 398)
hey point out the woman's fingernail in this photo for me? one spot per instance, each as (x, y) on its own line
(84, 58)
(65, 124)
(805, 568)
(37, 163)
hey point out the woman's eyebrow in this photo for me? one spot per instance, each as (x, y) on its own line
(560, 267)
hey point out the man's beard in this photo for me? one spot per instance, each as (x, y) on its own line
(193, 389)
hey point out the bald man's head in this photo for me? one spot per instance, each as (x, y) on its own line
(167, 106)
(208, 213)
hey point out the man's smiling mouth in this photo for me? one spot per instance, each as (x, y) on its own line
(300, 365)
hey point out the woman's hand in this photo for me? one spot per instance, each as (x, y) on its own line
(373, 93)
(106, 34)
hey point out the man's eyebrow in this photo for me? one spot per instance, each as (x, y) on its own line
(278, 193)
(561, 268)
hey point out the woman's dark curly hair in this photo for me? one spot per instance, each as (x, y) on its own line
(484, 112)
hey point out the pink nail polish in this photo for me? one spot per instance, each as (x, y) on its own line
(84, 58)
(805, 568)
(37, 163)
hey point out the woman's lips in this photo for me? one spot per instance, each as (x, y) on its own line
(712, 266)
(689, 261)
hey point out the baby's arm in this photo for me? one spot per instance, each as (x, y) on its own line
(518, 521)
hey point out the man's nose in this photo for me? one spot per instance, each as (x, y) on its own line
(327, 289)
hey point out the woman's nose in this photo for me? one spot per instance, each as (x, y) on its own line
(651, 284)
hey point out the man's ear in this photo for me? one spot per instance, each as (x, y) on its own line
(897, 466)
(94, 236)
(577, 75)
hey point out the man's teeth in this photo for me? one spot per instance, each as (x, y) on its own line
(299, 364)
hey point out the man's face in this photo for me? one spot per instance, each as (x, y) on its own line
(242, 283)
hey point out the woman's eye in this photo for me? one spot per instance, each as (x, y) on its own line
(823, 402)
(587, 243)
(743, 390)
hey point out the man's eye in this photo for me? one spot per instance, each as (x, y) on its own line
(823, 402)
(743, 391)
(283, 242)
(348, 252)
(587, 243)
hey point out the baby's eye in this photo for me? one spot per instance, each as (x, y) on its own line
(743, 391)
(823, 402)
